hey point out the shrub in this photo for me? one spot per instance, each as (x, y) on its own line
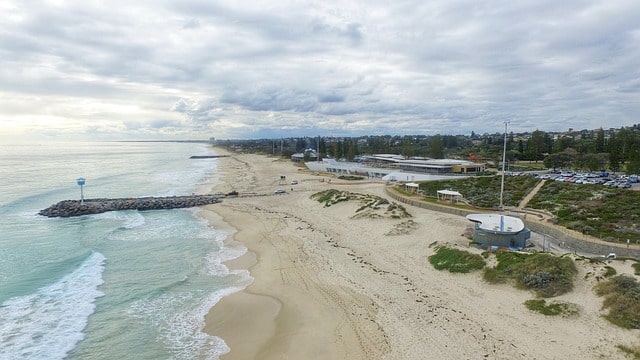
(547, 275)
(609, 271)
(350, 177)
(552, 309)
(455, 260)
(481, 191)
(493, 276)
(633, 351)
(607, 213)
(622, 298)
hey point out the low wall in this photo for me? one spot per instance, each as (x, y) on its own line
(585, 245)
(561, 237)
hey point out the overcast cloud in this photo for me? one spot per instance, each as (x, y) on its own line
(251, 69)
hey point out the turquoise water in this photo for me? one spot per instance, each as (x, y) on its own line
(123, 284)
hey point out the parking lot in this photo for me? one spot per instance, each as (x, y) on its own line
(604, 179)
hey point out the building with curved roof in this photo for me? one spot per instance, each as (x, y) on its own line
(499, 231)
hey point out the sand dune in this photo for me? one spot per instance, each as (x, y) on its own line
(333, 285)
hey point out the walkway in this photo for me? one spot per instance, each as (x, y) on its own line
(530, 195)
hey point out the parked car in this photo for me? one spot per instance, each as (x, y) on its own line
(279, 192)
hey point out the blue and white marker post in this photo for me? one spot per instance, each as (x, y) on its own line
(81, 182)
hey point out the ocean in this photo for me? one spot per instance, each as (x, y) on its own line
(117, 285)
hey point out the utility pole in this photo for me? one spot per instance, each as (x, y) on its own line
(504, 157)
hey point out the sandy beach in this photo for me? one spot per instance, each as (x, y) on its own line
(330, 284)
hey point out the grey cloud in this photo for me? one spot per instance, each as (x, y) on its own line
(331, 98)
(271, 98)
(161, 124)
(197, 110)
(301, 68)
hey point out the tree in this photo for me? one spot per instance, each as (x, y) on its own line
(633, 165)
(589, 162)
(407, 148)
(521, 147)
(322, 147)
(562, 143)
(536, 146)
(450, 141)
(338, 151)
(615, 152)
(352, 150)
(600, 145)
(437, 152)
(301, 144)
(586, 146)
(559, 161)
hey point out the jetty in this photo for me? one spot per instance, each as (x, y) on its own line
(207, 156)
(69, 208)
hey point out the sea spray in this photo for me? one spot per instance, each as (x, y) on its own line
(48, 323)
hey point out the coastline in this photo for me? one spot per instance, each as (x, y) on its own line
(330, 285)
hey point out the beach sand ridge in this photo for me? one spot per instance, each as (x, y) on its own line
(331, 285)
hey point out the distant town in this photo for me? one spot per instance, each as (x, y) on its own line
(613, 149)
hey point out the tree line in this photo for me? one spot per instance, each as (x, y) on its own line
(588, 150)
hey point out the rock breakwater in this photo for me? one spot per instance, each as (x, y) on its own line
(69, 208)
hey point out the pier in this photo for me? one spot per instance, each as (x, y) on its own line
(207, 156)
(69, 208)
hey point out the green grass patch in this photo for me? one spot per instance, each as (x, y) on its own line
(370, 205)
(636, 268)
(484, 191)
(327, 197)
(622, 298)
(608, 213)
(350, 177)
(455, 260)
(634, 352)
(553, 308)
(545, 274)
(504, 271)
(609, 271)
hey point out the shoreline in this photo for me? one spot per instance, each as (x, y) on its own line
(329, 284)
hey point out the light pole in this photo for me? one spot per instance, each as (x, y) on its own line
(504, 157)
(81, 182)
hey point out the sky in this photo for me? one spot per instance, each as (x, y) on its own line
(196, 69)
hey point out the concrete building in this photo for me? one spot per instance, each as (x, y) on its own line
(499, 231)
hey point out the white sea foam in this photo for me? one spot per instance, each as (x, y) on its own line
(180, 181)
(135, 220)
(181, 331)
(146, 250)
(129, 219)
(49, 323)
(184, 333)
